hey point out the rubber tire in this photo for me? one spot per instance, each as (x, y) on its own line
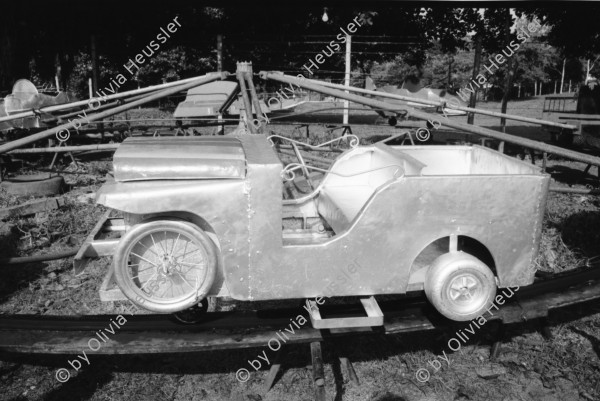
(139, 231)
(34, 185)
(440, 275)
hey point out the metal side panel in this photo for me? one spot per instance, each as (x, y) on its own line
(264, 210)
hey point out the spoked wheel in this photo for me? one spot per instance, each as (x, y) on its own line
(165, 266)
(460, 286)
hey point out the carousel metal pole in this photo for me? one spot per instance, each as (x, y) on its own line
(242, 68)
(528, 143)
(66, 106)
(253, 94)
(444, 104)
(103, 107)
(99, 116)
(64, 149)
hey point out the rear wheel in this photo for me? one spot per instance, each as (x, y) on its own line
(460, 286)
(165, 266)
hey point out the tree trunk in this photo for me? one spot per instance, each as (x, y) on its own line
(476, 64)
(512, 69)
(510, 72)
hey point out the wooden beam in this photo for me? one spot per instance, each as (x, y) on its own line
(32, 207)
(274, 370)
(318, 371)
(150, 334)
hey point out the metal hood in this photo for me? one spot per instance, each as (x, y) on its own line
(179, 158)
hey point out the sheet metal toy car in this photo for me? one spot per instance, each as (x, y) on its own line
(204, 216)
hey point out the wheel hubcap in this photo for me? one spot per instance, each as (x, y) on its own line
(464, 289)
(167, 266)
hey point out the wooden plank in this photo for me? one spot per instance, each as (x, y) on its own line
(350, 372)
(138, 342)
(235, 330)
(274, 370)
(32, 207)
(318, 370)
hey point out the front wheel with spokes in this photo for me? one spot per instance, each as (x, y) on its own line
(165, 266)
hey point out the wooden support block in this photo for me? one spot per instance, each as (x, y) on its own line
(318, 371)
(545, 330)
(347, 366)
(497, 345)
(275, 368)
(36, 206)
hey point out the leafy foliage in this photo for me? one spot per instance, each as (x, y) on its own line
(78, 80)
(392, 43)
(174, 64)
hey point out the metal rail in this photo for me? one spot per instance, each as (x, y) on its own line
(144, 334)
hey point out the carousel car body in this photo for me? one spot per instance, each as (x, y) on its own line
(25, 97)
(204, 216)
(416, 91)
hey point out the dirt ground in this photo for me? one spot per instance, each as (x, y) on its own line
(562, 365)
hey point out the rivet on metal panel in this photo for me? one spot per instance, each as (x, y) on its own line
(230, 249)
